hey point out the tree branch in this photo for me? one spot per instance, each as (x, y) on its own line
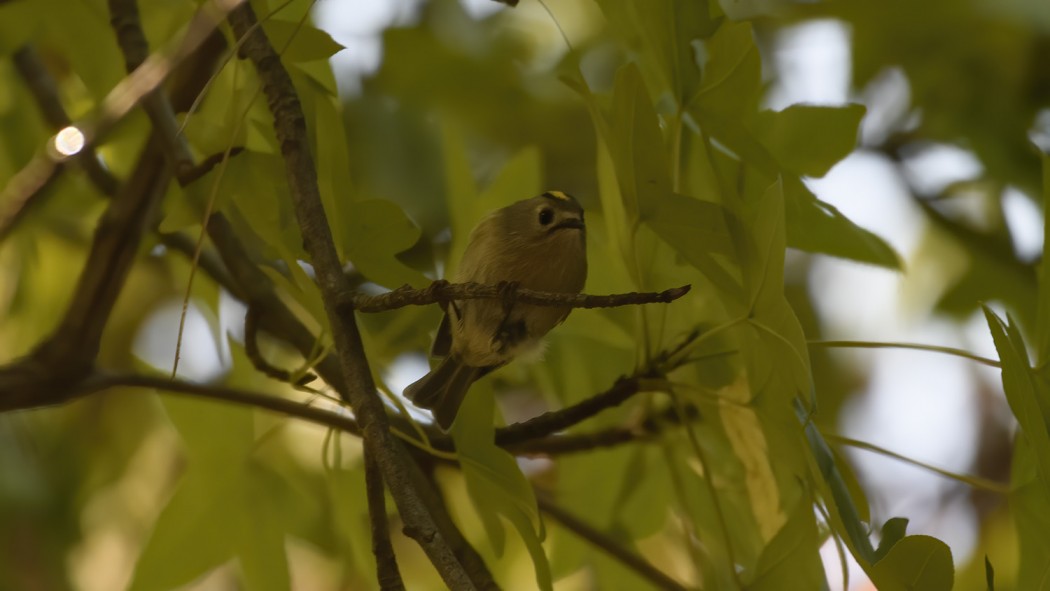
(251, 350)
(45, 92)
(28, 188)
(559, 420)
(387, 572)
(102, 381)
(393, 461)
(40, 172)
(608, 545)
(625, 387)
(124, 17)
(442, 292)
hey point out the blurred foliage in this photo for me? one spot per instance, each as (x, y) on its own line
(651, 113)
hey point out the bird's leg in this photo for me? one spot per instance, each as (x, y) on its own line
(510, 332)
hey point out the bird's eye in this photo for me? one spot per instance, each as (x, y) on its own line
(546, 216)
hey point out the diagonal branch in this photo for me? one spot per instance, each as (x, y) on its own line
(23, 187)
(608, 545)
(393, 461)
(45, 92)
(625, 387)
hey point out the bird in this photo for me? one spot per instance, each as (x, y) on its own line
(538, 244)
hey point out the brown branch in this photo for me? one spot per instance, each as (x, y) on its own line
(559, 420)
(442, 292)
(29, 186)
(290, 128)
(608, 545)
(465, 553)
(124, 17)
(624, 387)
(253, 287)
(251, 350)
(644, 431)
(387, 572)
(205, 166)
(45, 92)
(40, 172)
(550, 446)
(74, 344)
(103, 381)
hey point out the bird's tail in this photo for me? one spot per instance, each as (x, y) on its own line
(443, 389)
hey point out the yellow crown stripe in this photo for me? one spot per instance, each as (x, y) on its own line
(557, 195)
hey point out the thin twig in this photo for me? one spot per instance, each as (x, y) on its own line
(442, 292)
(103, 381)
(974, 481)
(608, 545)
(206, 165)
(251, 350)
(913, 346)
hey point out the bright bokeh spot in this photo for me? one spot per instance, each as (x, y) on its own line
(69, 141)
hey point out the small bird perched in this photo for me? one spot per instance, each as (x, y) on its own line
(537, 244)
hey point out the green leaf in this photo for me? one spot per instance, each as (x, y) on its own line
(893, 531)
(735, 136)
(219, 510)
(19, 22)
(495, 483)
(915, 562)
(812, 224)
(1027, 395)
(193, 534)
(637, 145)
(300, 42)
(376, 231)
(989, 573)
(520, 178)
(1030, 505)
(351, 519)
(791, 561)
(816, 226)
(784, 353)
(662, 33)
(260, 534)
(698, 230)
(1043, 301)
(844, 513)
(631, 134)
(808, 140)
(461, 191)
(732, 72)
(333, 166)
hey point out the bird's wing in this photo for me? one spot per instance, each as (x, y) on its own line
(443, 339)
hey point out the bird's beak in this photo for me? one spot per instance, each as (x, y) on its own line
(576, 223)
